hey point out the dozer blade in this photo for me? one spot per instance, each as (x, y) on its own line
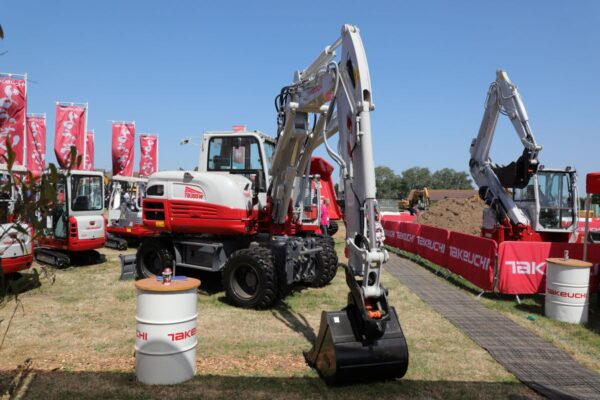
(341, 357)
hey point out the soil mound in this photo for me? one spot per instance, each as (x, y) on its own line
(461, 215)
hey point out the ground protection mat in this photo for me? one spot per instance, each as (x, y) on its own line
(535, 362)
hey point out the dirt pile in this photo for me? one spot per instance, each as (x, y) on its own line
(461, 215)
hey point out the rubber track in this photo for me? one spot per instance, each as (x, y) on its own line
(535, 362)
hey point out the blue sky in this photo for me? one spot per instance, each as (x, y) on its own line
(181, 67)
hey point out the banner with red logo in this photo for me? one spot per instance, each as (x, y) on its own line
(69, 132)
(390, 228)
(89, 153)
(406, 236)
(149, 155)
(36, 144)
(522, 265)
(13, 109)
(123, 135)
(593, 226)
(432, 244)
(473, 258)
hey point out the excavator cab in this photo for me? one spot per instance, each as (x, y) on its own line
(550, 200)
(240, 153)
(76, 224)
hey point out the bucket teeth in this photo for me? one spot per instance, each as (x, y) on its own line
(340, 357)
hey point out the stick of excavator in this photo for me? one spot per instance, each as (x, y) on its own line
(351, 347)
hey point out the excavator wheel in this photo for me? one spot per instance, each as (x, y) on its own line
(327, 263)
(332, 228)
(152, 257)
(250, 278)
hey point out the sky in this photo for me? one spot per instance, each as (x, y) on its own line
(179, 68)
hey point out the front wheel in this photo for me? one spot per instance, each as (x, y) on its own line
(152, 257)
(250, 279)
(326, 263)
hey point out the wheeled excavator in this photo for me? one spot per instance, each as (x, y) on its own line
(242, 214)
(525, 201)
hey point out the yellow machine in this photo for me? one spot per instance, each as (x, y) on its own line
(418, 197)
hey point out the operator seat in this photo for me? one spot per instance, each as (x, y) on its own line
(81, 203)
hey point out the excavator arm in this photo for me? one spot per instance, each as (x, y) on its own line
(503, 98)
(335, 95)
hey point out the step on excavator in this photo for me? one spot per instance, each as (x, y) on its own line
(525, 201)
(76, 226)
(243, 214)
(125, 225)
(16, 242)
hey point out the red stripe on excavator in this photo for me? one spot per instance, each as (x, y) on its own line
(199, 217)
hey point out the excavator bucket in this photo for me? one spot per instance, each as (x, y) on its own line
(340, 356)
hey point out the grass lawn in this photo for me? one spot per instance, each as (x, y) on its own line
(582, 342)
(79, 334)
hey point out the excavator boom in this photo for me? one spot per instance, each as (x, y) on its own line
(363, 341)
(512, 191)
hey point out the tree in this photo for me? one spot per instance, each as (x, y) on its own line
(388, 183)
(415, 178)
(27, 202)
(448, 178)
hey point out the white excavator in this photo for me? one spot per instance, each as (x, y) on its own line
(525, 200)
(243, 214)
(76, 226)
(16, 239)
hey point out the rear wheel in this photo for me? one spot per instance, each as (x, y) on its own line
(152, 257)
(326, 263)
(250, 279)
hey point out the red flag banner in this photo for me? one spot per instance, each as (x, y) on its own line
(36, 144)
(69, 132)
(473, 258)
(123, 141)
(13, 108)
(149, 155)
(89, 152)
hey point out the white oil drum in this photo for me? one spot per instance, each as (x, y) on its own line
(165, 345)
(567, 290)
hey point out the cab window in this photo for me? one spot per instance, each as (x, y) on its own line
(237, 155)
(156, 190)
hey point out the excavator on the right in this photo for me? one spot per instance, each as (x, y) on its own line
(525, 201)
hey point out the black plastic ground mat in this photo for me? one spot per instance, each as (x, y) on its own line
(535, 362)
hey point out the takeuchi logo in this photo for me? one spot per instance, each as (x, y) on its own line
(191, 193)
